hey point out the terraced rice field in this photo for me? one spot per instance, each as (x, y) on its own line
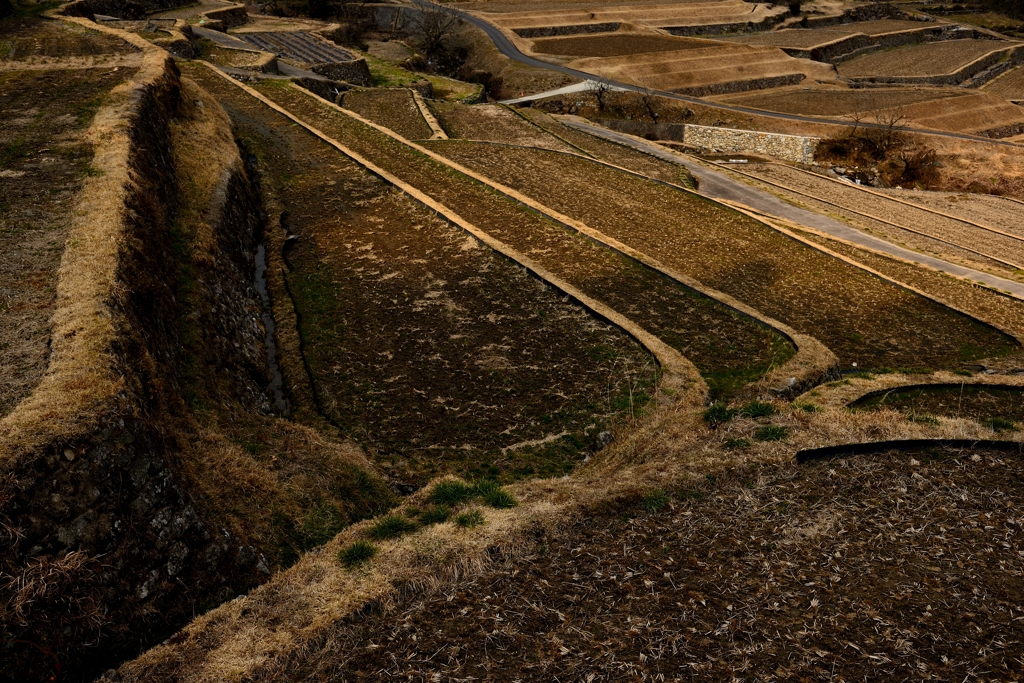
(393, 108)
(811, 37)
(837, 102)
(974, 402)
(493, 123)
(981, 208)
(897, 566)
(614, 44)
(863, 319)
(429, 348)
(1009, 86)
(44, 159)
(35, 39)
(697, 67)
(610, 152)
(729, 349)
(927, 59)
(665, 14)
(971, 113)
(850, 200)
(1006, 312)
(297, 45)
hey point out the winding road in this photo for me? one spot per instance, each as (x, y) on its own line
(507, 48)
(718, 185)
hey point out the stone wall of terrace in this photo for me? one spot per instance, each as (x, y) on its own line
(794, 148)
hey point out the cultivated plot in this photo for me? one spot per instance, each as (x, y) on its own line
(927, 59)
(1009, 86)
(493, 123)
(44, 159)
(1007, 247)
(861, 318)
(392, 108)
(836, 102)
(432, 350)
(729, 349)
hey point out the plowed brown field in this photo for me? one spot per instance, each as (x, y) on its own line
(928, 59)
(392, 108)
(863, 319)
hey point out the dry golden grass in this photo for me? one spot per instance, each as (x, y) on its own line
(976, 112)
(82, 379)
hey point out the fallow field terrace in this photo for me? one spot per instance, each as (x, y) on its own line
(537, 19)
(998, 247)
(864, 320)
(397, 106)
(1009, 86)
(421, 343)
(45, 156)
(938, 62)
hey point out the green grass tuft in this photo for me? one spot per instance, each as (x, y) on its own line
(391, 526)
(655, 501)
(757, 409)
(436, 515)
(495, 496)
(452, 493)
(356, 553)
(718, 413)
(470, 519)
(807, 407)
(771, 433)
(923, 418)
(736, 443)
(1001, 424)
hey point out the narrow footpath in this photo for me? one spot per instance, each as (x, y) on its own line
(718, 185)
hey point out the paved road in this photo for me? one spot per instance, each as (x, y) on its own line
(717, 185)
(507, 48)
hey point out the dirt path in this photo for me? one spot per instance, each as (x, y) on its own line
(718, 185)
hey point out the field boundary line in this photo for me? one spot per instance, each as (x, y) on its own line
(428, 116)
(773, 222)
(675, 367)
(898, 200)
(582, 152)
(842, 395)
(1014, 266)
(812, 356)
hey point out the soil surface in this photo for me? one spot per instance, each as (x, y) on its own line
(43, 161)
(836, 102)
(900, 566)
(394, 109)
(861, 318)
(614, 45)
(976, 402)
(430, 349)
(729, 349)
(927, 59)
(493, 123)
(27, 38)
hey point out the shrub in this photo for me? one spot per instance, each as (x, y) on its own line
(1001, 424)
(655, 500)
(470, 519)
(356, 553)
(452, 493)
(495, 496)
(718, 413)
(436, 515)
(757, 409)
(771, 433)
(390, 527)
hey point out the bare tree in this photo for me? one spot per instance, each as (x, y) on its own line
(647, 100)
(889, 133)
(599, 91)
(437, 29)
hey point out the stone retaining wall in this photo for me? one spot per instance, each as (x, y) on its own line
(765, 24)
(713, 139)
(355, 71)
(741, 86)
(223, 19)
(572, 30)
